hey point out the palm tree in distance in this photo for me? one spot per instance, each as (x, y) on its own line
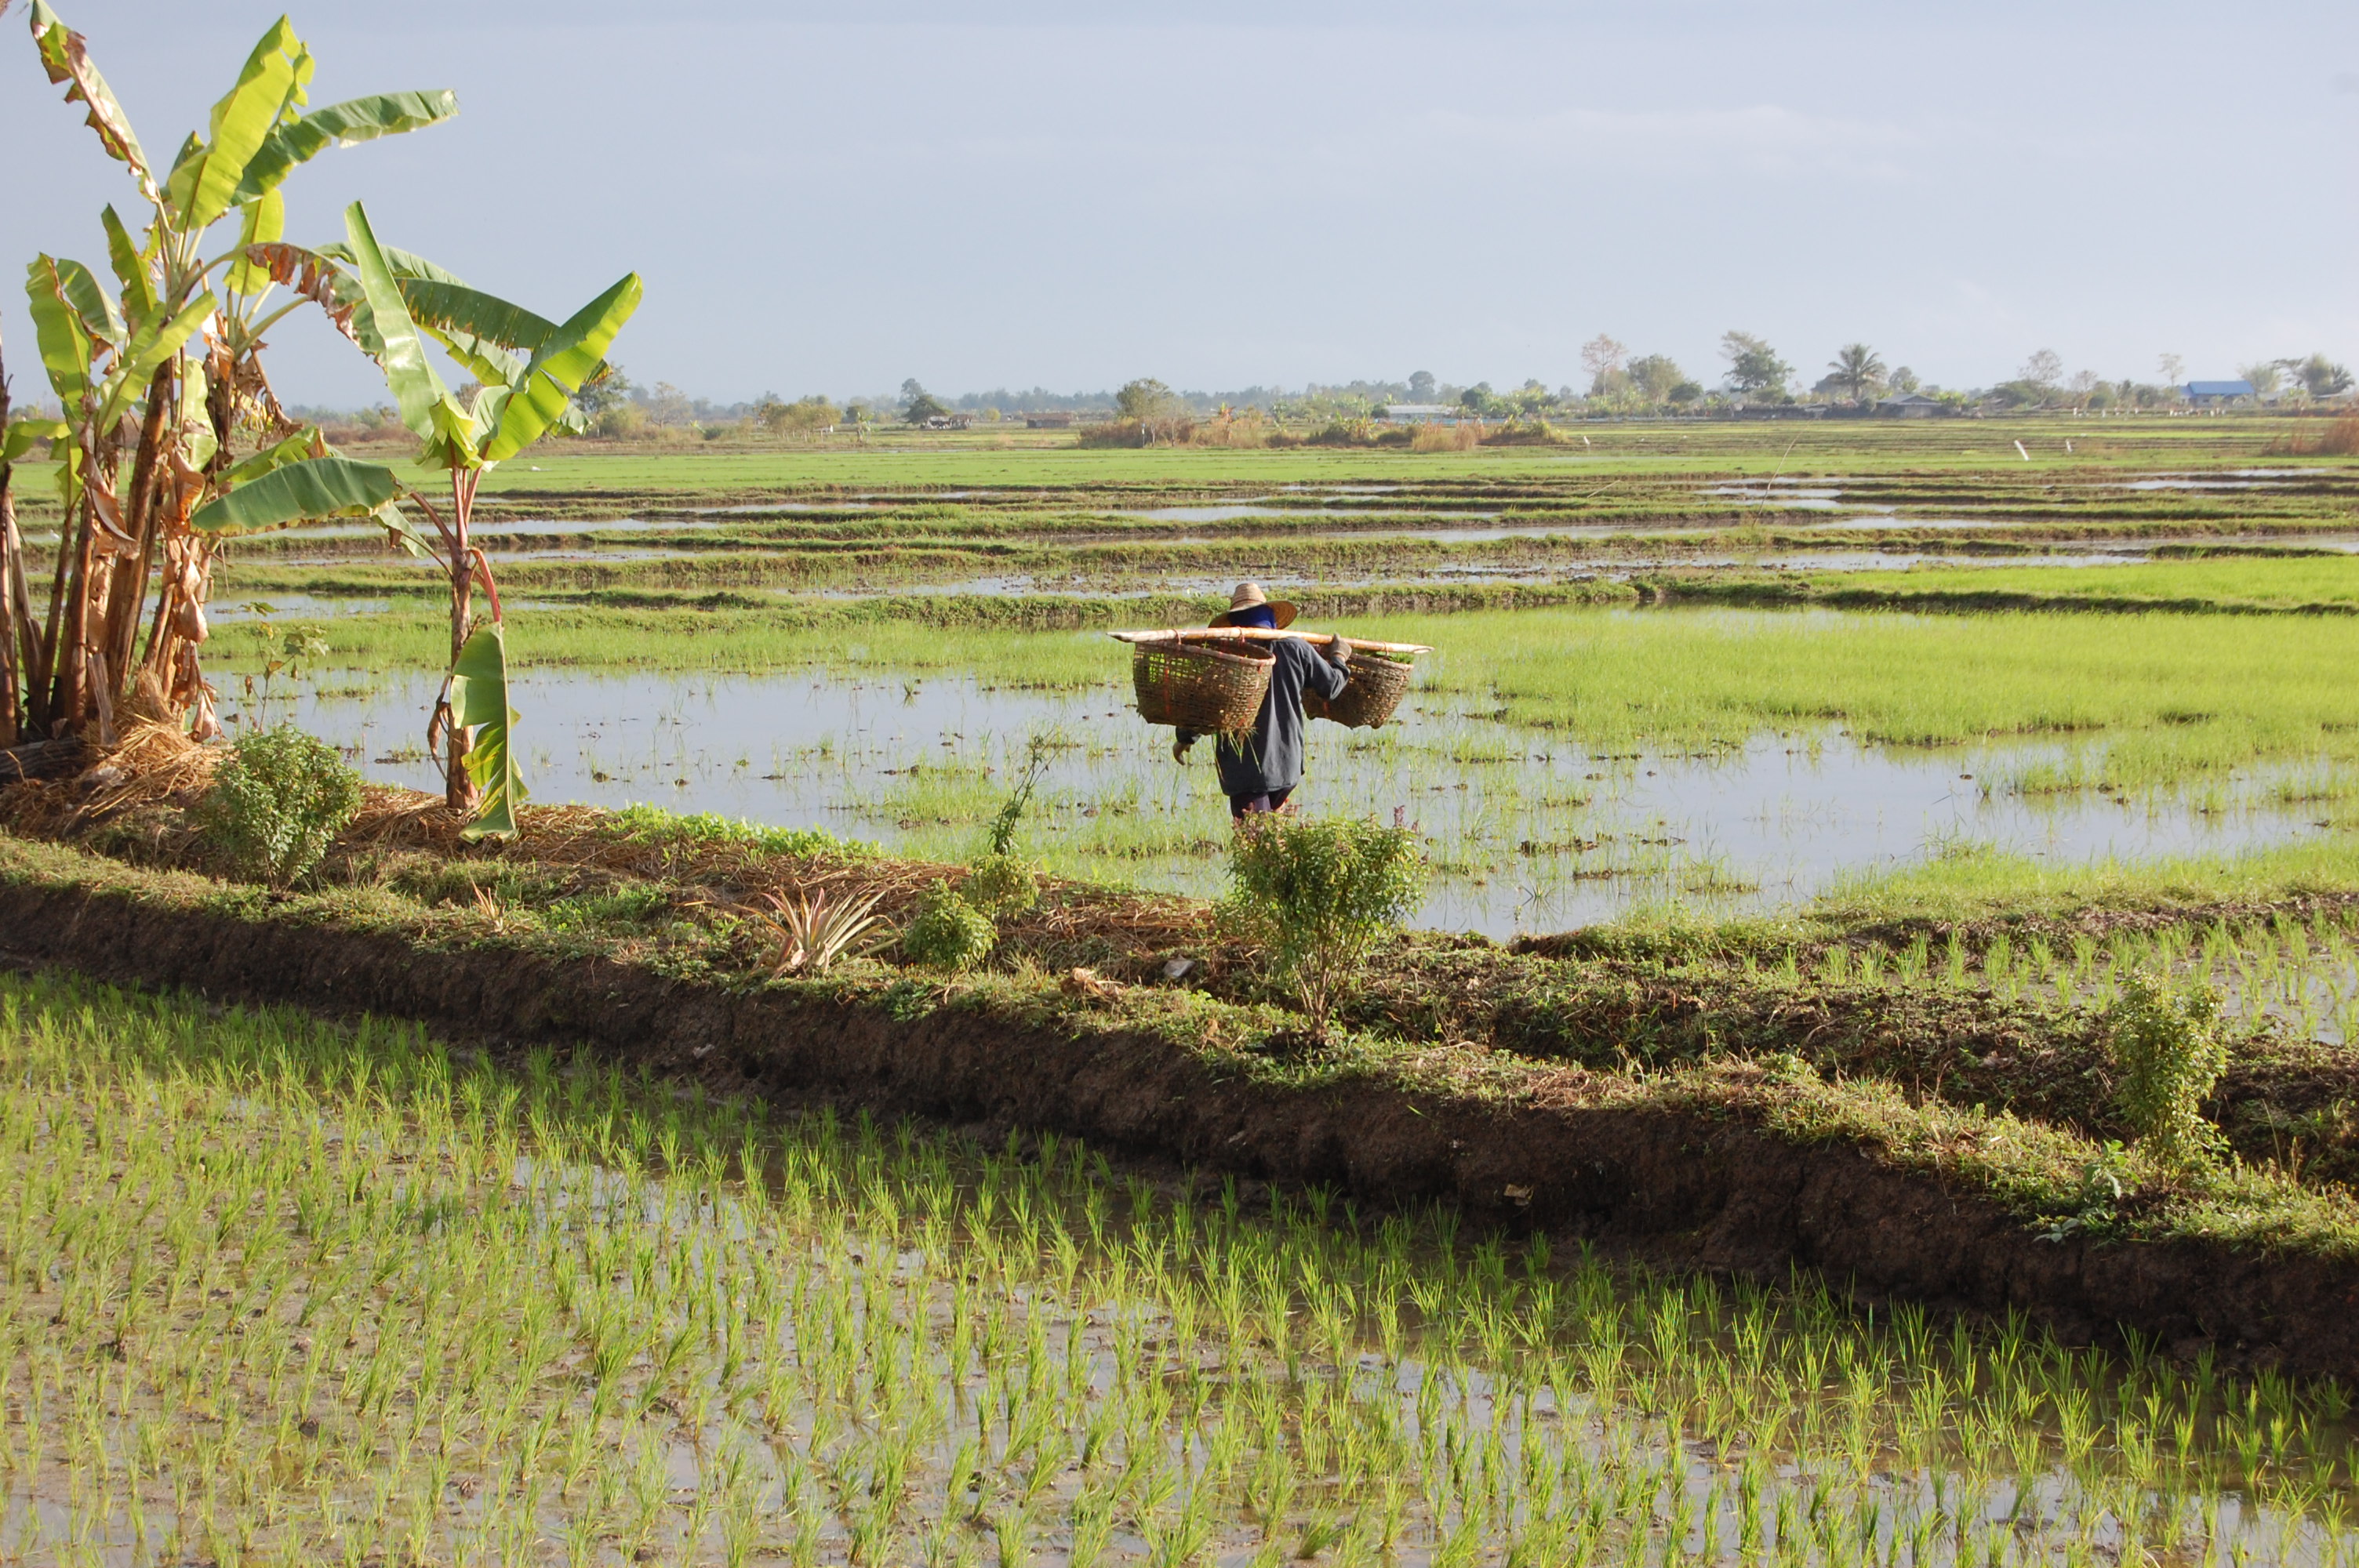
(1856, 367)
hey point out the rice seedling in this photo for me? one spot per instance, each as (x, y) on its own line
(2286, 973)
(277, 1290)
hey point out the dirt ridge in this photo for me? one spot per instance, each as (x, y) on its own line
(1685, 1188)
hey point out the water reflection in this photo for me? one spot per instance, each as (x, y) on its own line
(1530, 830)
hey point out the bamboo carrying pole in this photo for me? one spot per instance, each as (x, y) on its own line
(1264, 633)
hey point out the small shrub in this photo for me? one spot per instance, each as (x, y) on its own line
(1523, 433)
(1010, 815)
(1433, 437)
(2169, 1051)
(946, 932)
(622, 422)
(1320, 895)
(2339, 439)
(278, 803)
(1247, 429)
(1001, 887)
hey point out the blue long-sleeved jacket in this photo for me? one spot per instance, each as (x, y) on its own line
(1269, 756)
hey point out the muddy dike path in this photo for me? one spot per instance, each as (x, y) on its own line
(1735, 1165)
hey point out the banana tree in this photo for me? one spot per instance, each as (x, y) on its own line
(391, 303)
(17, 643)
(165, 370)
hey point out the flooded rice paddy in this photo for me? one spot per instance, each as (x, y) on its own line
(1541, 533)
(1530, 831)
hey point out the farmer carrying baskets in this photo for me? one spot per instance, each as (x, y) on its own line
(1261, 766)
(1252, 683)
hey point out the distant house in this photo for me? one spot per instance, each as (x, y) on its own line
(2218, 394)
(1421, 413)
(1915, 405)
(1050, 419)
(950, 421)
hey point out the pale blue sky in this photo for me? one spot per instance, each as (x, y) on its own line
(830, 198)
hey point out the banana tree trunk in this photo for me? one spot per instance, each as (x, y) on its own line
(10, 564)
(459, 792)
(180, 628)
(32, 675)
(127, 580)
(69, 626)
(85, 702)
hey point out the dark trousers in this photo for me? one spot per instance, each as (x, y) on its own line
(1242, 805)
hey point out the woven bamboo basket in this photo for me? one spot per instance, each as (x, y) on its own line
(1375, 690)
(1214, 691)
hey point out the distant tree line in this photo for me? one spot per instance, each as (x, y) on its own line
(1752, 374)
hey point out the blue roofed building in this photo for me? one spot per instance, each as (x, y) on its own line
(2218, 394)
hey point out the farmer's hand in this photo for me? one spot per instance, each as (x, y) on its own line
(1180, 745)
(1339, 652)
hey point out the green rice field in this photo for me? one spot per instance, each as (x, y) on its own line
(1882, 757)
(277, 1290)
(986, 457)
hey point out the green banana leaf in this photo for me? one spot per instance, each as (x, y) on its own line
(491, 365)
(489, 335)
(568, 357)
(58, 329)
(149, 347)
(99, 318)
(480, 330)
(307, 490)
(198, 440)
(66, 473)
(130, 264)
(263, 223)
(479, 703)
(65, 58)
(452, 306)
(432, 415)
(192, 147)
(306, 445)
(401, 531)
(182, 177)
(270, 85)
(345, 125)
(483, 332)
(405, 265)
(23, 433)
(307, 442)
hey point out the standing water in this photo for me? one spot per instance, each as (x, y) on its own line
(1529, 831)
